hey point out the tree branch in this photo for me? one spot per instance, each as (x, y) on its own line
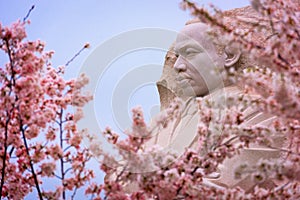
(30, 161)
(62, 170)
(28, 13)
(4, 156)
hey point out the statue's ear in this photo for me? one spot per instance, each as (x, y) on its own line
(232, 56)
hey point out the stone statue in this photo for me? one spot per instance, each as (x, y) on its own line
(194, 68)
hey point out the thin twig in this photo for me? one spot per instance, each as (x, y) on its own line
(66, 171)
(67, 148)
(77, 54)
(11, 151)
(57, 176)
(28, 13)
(74, 193)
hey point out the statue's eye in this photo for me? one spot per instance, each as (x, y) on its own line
(190, 51)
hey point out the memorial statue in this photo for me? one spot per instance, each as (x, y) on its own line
(196, 73)
(194, 69)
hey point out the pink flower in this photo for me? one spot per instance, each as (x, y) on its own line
(47, 169)
(69, 183)
(55, 151)
(51, 134)
(78, 114)
(81, 81)
(76, 140)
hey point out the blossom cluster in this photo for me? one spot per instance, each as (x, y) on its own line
(158, 173)
(271, 87)
(40, 139)
(39, 136)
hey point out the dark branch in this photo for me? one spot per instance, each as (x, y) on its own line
(87, 45)
(28, 13)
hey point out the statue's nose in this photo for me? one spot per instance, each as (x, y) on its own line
(179, 65)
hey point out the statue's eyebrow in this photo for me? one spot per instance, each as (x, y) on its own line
(184, 45)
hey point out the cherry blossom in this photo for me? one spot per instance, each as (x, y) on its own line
(40, 139)
(35, 101)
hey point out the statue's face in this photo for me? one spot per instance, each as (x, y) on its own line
(198, 62)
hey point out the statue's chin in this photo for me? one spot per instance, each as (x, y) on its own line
(185, 93)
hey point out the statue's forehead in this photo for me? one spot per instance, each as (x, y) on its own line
(193, 34)
(195, 31)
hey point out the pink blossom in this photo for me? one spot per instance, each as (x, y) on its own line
(50, 135)
(35, 101)
(35, 98)
(55, 151)
(76, 140)
(78, 114)
(47, 169)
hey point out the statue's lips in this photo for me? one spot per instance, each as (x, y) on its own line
(181, 79)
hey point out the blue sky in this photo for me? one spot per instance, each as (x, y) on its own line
(67, 25)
